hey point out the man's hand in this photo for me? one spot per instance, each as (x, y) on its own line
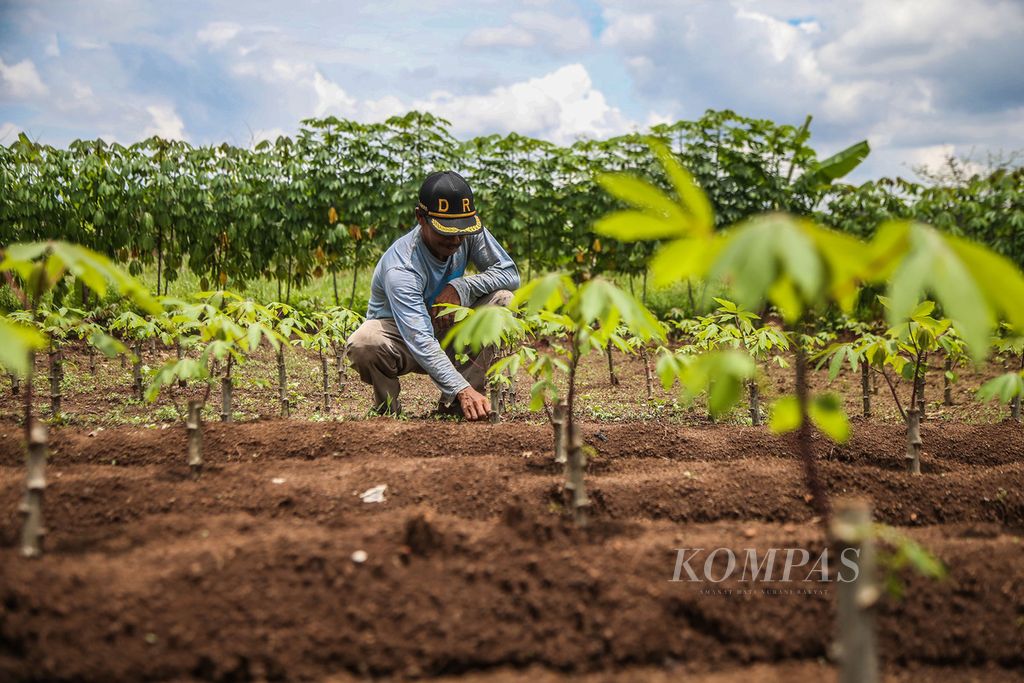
(475, 405)
(442, 323)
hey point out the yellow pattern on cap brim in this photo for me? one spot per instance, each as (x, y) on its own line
(448, 230)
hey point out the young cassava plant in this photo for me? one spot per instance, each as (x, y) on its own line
(588, 314)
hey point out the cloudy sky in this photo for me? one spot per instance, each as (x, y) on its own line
(918, 78)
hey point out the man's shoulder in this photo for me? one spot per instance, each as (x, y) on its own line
(479, 239)
(400, 253)
(401, 272)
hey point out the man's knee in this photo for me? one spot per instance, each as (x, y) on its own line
(364, 348)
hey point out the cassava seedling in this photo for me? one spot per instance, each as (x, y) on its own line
(225, 337)
(136, 330)
(1007, 388)
(910, 342)
(237, 326)
(588, 315)
(292, 326)
(329, 330)
(175, 376)
(731, 326)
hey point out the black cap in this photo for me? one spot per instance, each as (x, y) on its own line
(448, 202)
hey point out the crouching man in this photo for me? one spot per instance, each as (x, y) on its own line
(424, 268)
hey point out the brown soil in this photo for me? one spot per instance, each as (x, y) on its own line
(473, 573)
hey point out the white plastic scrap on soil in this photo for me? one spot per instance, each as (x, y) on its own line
(359, 556)
(277, 480)
(374, 495)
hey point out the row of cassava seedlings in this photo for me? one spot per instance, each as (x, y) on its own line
(210, 338)
(32, 271)
(239, 323)
(902, 354)
(223, 330)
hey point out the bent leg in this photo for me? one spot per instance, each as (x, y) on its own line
(379, 354)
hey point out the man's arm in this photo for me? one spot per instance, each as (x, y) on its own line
(405, 297)
(497, 271)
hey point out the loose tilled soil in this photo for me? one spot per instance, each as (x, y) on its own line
(472, 572)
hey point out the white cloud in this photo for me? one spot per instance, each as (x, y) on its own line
(165, 123)
(654, 119)
(331, 98)
(628, 29)
(218, 33)
(21, 80)
(910, 75)
(809, 27)
(77, 97)
(932, 157)
(536, 29)
(911, 34)
(90, 44)
(500, 36)
(560, 106)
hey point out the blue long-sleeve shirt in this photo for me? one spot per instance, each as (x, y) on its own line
(407, 280)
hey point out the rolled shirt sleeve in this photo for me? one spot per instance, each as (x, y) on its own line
(497, 270)
(405, 298)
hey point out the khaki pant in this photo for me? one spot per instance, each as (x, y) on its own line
(379, 354)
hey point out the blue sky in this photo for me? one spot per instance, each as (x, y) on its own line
(918, 78)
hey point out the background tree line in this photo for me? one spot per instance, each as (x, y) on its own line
(333, 197)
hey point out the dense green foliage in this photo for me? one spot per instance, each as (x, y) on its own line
(331, 199)
(339, 192)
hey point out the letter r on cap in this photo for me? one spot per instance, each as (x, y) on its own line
(465, 204)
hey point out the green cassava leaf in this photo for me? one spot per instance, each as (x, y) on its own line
(634, 226)
(1004, 388)
(644, 196)
(932, 263)
(691, 196)
(107, 345)
(785, 415)
(16, 341)
(827, 414)
(485, 326)
(548, 292)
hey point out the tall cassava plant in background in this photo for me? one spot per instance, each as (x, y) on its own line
(797, 266)
(32, 270)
